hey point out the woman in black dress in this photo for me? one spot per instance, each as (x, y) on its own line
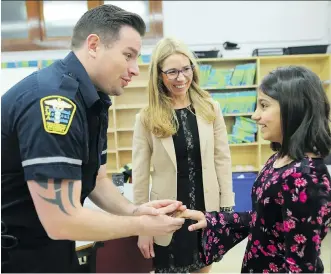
(182, 134)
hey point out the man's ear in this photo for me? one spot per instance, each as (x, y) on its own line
(93, 44)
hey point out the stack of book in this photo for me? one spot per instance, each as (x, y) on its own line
(243, 131)
(214, 78)
(243, 75)
(236, 102)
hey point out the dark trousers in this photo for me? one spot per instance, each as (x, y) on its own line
(53, 257)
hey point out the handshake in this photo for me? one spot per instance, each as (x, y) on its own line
(163, 217)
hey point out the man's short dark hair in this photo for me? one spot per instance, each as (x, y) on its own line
(304, 109)
(106, 21)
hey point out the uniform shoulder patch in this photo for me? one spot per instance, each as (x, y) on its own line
(57, 113)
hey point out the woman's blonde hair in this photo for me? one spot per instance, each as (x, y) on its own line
(159, 116)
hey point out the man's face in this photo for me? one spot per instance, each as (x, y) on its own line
(115, 65)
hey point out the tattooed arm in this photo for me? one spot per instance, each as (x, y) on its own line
(58, 206)
(106, 196)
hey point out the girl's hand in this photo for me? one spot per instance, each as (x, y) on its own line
(196, 216)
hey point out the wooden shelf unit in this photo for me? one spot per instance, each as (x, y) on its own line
(245, 157)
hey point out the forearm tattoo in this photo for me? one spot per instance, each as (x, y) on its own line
(58, 187)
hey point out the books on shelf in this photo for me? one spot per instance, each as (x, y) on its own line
(236, 102)
(249, 75)
(243, 131)
(204, 74)
(219, 78)
(240, 75)
(243, 75)
(247, 124)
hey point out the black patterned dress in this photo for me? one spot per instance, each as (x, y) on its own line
(285, 229)
(182, 255)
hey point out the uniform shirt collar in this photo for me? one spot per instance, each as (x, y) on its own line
(105, 99)
(76, 70)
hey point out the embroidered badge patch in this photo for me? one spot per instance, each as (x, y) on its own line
(57, 113)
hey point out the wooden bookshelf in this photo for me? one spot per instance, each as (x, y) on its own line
(248, 157)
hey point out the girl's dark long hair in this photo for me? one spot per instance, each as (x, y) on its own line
(304, 109)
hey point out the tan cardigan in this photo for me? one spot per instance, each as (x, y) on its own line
(159, 153)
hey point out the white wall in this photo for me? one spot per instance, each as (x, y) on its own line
(249, 23)
(207, 24)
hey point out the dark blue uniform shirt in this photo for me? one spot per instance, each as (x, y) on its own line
(53, 125)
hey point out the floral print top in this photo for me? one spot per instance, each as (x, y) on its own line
(291, 211)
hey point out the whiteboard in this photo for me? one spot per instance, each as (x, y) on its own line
(214, 22)
(11, 76)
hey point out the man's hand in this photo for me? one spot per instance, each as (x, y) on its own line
(159, 207)
(159, 225)
(196, 216)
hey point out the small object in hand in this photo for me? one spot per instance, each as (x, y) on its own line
(118, 180)
(175, 214)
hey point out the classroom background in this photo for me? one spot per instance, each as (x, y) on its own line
(237, 43)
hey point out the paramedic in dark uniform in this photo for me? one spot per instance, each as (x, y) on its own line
(53, 151)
